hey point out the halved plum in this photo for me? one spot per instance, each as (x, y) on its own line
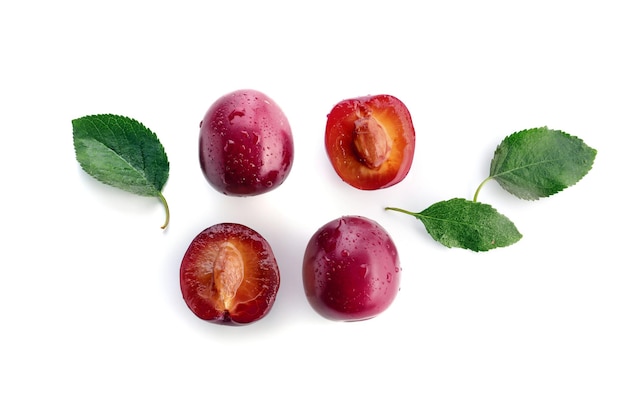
(229, 275)
(370, 141)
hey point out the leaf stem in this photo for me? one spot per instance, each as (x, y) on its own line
(167, 210)
(400, 210)
(480, 187)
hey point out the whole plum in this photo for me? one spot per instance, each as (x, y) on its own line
(351, 269)
(246, 144)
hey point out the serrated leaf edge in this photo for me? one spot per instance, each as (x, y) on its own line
(419, 216)
(537, 129)
(159, 191)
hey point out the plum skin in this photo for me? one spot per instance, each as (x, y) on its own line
(246, 145)
(351, 269)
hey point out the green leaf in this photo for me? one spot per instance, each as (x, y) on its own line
(540, 162)
(123, 153)
(466, 224)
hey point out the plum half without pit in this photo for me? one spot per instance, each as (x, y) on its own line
(246, 144)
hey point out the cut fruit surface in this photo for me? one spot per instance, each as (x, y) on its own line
(370, 141)
(229, 275)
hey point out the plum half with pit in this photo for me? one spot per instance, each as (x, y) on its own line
(246, 144)
(370, 141)
(351, 269)
(229, 275)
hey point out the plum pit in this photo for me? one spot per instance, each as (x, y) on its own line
(228, 272)
(371, 142)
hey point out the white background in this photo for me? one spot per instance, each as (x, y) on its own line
(89, 295)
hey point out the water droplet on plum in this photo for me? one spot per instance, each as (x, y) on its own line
(229, 144)
(239, 112)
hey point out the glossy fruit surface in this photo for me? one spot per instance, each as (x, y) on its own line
(370, 141)
(246, 144)
(229, 275)
(351, 269)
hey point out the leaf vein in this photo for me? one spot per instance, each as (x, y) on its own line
(530, 165)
